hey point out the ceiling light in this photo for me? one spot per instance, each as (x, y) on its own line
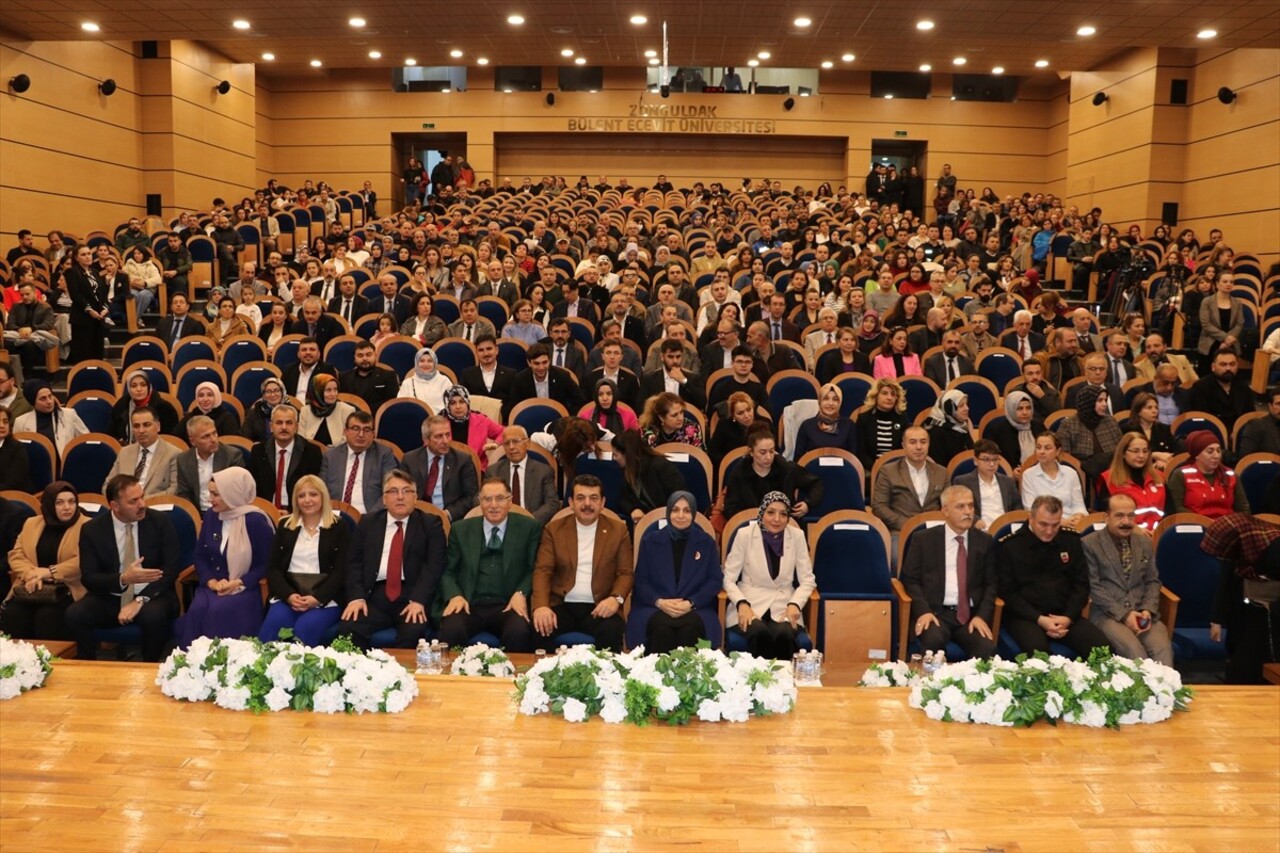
(269, 57)
(375, 54)
(1207, 34)
(924, 25)
(888, 97)
(639, 20)
(515, 20)
(445, 91)
(764, 54)
(566, 52)
(241, 24)
(411, 62)
(752, 63)
(581, 60)
(90, 27)
(959, 60)
(802, 22)
(653, 60)
(315, 63)
(480, 60)
(1042, 63)
(456, 54)
(356, 22)
(594, 91)
(926, 67)
(649, 54)
(999, 69)
(848, 57)
(828, 64)
(1086, 31)
(507, 91)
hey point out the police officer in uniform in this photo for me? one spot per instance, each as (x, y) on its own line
(1044, 581)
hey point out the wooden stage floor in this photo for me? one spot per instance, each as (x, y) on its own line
(100, 760)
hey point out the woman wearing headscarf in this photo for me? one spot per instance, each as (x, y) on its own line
(1092, 434)
(677, 583)
(48, 417)
(231, 558)
(45, 568)
(768, 578)
(306, 571)
(139, 393)
(209, 403)
(257, 420)
(827, 428)
(425, 382)
(870, 335)
(950, 430)
(324, 417)
(1016, 433)
(607, 411)
(474, 429)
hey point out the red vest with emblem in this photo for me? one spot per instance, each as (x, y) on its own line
(1150, 498)
(1212, 500)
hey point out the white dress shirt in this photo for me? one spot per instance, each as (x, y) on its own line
(387, 536)
(581, 592)
(118, 527)
(919, 479)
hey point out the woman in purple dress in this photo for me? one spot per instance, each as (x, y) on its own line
(231, 558)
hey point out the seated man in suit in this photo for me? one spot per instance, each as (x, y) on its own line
(375, 385)
(389, 300)
(908, 486)
(128, 564)
(148, 458)
(993, 492)
(1095, 373)
(923, 340)
(353, 471)
(780, 328)
(297, 376)
(575, 304)
(950, 573)
(348, 304)
(314, 323)
(191, 471)
(611, 330)
(487, 378)
(445, 476)
(540, 379)
(673, 377)
(1044, 580)
(1087, 340)
(583, 572)
(277, 464)
(1157, 354)
(180, 323)
(531, 481)
(1224, 392)
(611, 368)
(1044, 397)
(828, 332)
(470, 325)
(740, 379)
(1020, 338)
(488, 576)
(1262, 435)
(397, 557)
(951, 363)
(565, 352)
(1171, 396)
(1125, 587)
(1119, 365)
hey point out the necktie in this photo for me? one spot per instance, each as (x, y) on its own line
(962, 581)
(395, 559)
(142, 464)
(467, 335)
(279, 500)
(1024, 349)
(1126, 557)
(177, 332)
(516, 494)
(495, 542)
(432, 476)
(559, 357)
(311, 330)
(777, 330)
(129, 557)
(830, 338)
(351, 479)
(1115, 372)
(346, 310)
(951, 370)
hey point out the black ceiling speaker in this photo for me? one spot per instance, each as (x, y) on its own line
(665, 91)
(551, 99)
(1226, 95)
(107, 87)
(224, 87)
(1099, 99)
(789, 104)
(20, 83)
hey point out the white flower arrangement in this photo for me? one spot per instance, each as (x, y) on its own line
(23, 666)
(484, 661)
(675, 687)
(1105, 690)
(251, 675)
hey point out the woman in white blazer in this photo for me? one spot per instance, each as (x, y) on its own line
(768, 577)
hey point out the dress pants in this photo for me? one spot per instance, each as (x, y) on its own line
(1154, 643)
(383, 614)
(665, 633)
(1083, 636)
(30, 620)
(769, 639)
(949, 629)
(576, 617)
(95, 611)
(514, 632)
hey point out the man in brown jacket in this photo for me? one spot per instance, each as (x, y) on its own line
(583, 572)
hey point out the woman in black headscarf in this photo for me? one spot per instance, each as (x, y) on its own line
(257, 419)
(1092, 435)
(45, 565)
(606, 411)
(677, 583)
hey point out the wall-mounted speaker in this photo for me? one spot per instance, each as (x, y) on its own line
(551, 99)
(1169, 213)
(224, 87)
(789, 104)
(107, 87)
(154, 205)
(20, 83)
(1226, 95)
(150, 50)
(1177, 91)
(1099, 99)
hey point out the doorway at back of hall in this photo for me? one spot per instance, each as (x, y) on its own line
(902, 154)
(429, 148)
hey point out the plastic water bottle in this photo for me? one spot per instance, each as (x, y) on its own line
(423, 657)
(939, 659)
(434, 658)
(928, 667)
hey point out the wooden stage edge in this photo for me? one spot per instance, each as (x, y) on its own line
(99, 759)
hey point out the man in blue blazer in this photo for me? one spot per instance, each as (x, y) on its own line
(397, 556)
(353, 471)
(488, 574)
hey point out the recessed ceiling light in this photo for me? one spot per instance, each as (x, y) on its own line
(1042, 63)
(959, 60)
(764, 54)
(924, 25)
(848, 57)
(1086, 30)
(269, 57)
(581, 60)
(456, 54)
(315, 63)
(567, 52)
(802, 22)
(752, 63)
(515, 20)
(639, 20)
(480, 60)
(375, 54)
(999, 69)
(926, 67)
(507, 91)
(828, 64)
(90, 27)
(445, 91)
(411, 62)
(356, 22)
(650, 54)
(1207, 34)
(888, 97)
(594, 91)
(653, 60)
(241, 24)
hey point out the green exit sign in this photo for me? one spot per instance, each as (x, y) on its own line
(895, 133)
(430, 125)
